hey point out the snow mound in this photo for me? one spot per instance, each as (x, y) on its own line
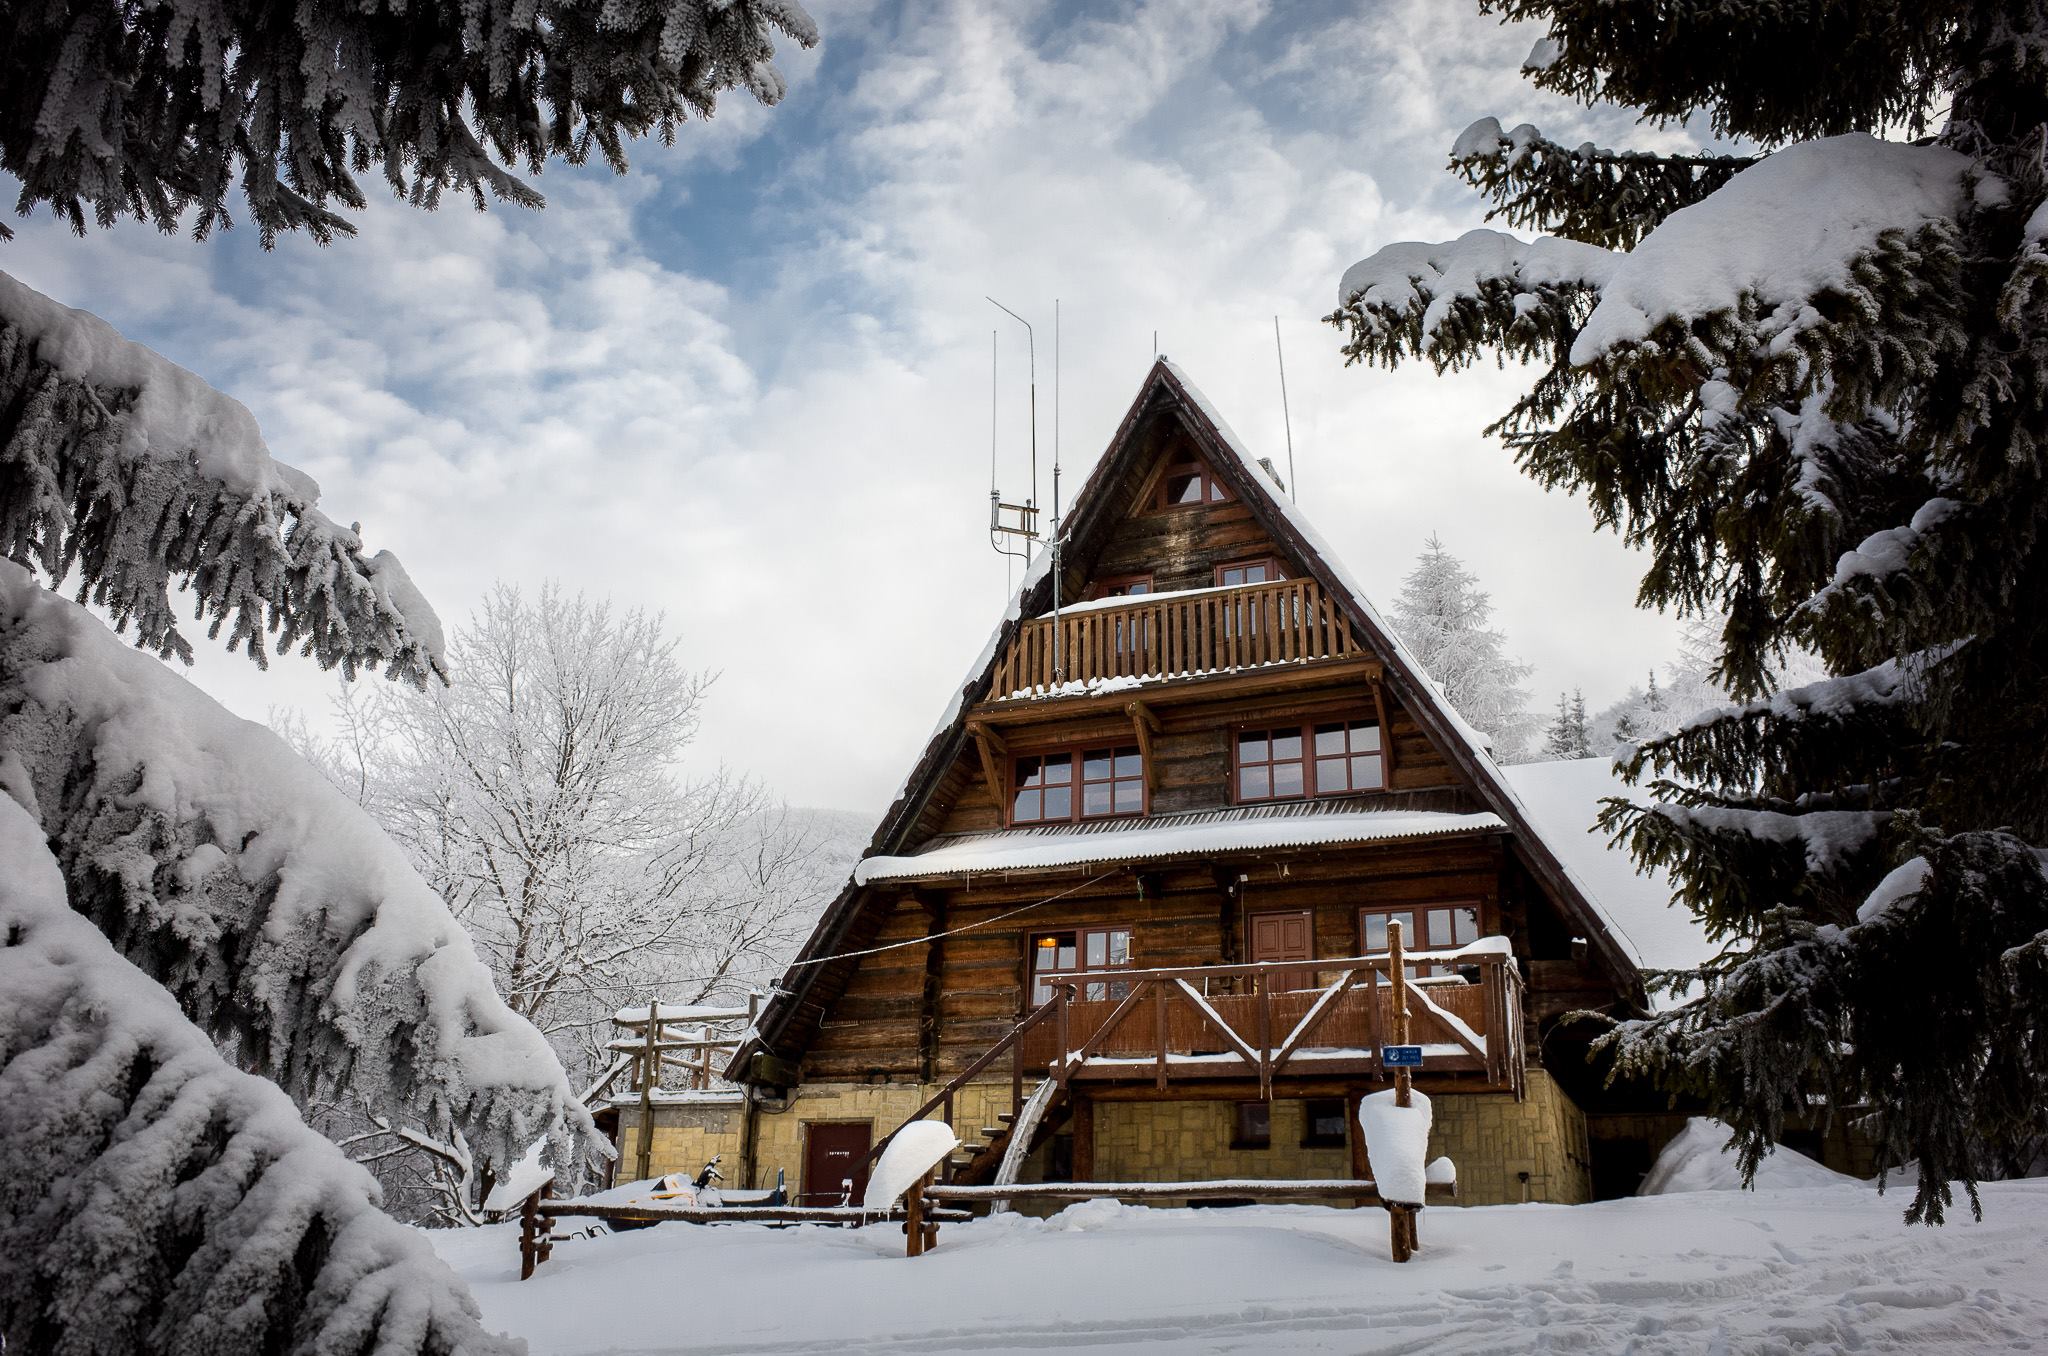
(917, 1148)
(1698, 1159)
(1397, 1142)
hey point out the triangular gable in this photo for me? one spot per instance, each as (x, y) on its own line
(1095, 511)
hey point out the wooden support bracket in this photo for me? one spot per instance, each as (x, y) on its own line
(995, 756)
(1145, 724)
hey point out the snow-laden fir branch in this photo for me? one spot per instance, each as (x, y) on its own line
(157, 1199)
(128, 475)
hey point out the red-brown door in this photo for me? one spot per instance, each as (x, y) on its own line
(1285, 937)
(835, 1162)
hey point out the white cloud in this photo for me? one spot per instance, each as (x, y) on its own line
(796, 468)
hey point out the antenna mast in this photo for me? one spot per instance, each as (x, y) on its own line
(1029, 514)
(1293, 485)
(1025, 522)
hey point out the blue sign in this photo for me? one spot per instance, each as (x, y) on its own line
(1401, 1056)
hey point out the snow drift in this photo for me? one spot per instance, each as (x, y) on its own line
(1698, 1159)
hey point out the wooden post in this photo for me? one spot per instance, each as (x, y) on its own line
(529, 1219)
(1401, 1217)
(650, 1070)
(913, 1218)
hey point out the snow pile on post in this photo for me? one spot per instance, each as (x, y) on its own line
(157, 1199)
(1701, 1158)
(268, 904)
(917, 1148)
(132, 473)
(1397, 1141)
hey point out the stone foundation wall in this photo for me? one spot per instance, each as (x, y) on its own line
(1534, 1150)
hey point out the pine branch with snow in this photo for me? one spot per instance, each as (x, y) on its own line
(1815, 395)
(157, 1199)
(266, 903)
(130, 475)
(154, 110)
(1443, 615)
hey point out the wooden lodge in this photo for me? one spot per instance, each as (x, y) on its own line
(1129, 919)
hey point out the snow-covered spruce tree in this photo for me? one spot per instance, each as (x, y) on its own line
(1565, 737)
(153, 109)
(1443, 613)
(1813, 386)
(256, 899)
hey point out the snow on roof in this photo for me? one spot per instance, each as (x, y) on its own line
(1244, 828)
(683, 1012)
(1560, 801)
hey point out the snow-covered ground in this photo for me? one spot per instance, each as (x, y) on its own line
(1818, 1269)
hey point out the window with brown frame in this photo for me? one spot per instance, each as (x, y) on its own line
(1433, 927)
(1070, 784)
(1323, 1123)
(1254, 1126)
(1120, 586)
(1262, 570)
(1318, 758)
(1081, 949)
(1188, 483)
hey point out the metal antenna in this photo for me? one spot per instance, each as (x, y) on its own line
(1058, 672)
(1293, 485)
(1026, 522)
(1031, 348)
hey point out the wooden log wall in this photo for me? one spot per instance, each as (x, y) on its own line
(877, 1029)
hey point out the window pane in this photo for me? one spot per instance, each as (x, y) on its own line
(1365, 772)
(1136, 587)
(1029, 771)
(1365, 738)
(1059, 803)
(1254, 783)
(1251, 746)
(1095, 765)
(1287, 779)
(1130, 798)
(1330, 775)
(1329, 739)
(1095, 798)
(1375, 933)
(1466, 921)
(1439, 927)
(1129, 763)
(1097, 953)
(1232, 576)
(1286, 745)
(1119, 946)
(1027, 806)
(1184, 488)
(1258, 574)
(1059, 767)
(1217, 492)
(1409, 936)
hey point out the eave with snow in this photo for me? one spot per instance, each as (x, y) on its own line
(1148, 859)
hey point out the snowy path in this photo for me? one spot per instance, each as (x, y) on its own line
(1824, 1269)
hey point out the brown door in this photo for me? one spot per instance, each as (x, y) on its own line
(1285, 937)
(835, 1162)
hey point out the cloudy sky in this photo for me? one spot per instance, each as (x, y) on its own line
(748, 384)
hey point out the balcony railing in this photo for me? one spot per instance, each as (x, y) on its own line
(1175, 636)
(1246, 1021)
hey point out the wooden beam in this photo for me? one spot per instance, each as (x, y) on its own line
(995, 756)
(1146, 725)
(1206, 687)
(1379, 706)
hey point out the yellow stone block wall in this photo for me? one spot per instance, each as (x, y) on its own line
(1492, 1138)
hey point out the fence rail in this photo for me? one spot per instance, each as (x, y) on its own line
(1176, 635)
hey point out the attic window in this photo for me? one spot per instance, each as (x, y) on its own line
(1263, 570)
(1074, 784)
(1188, 483)
(1121, 586)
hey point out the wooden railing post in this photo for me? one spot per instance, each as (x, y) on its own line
(650, 1073)
(1401, 1218)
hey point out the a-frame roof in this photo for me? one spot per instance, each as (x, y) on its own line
(1167, 393)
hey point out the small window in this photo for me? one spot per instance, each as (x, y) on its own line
(1439, 927)
(1121, 586)
(1081, 949)
(1323, 1123)
(1348, 757)
(1188, 483)
(1254, 1126)
(1262, 571)
(1271, 764)
(1045, 789)
(1078, 784)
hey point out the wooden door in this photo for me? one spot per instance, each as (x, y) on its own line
(835, 1162)
(1284, 937)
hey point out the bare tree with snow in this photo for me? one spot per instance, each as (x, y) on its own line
(1443, 614)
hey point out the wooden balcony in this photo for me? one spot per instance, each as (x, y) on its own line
(1250, 1022)
(1175, 635)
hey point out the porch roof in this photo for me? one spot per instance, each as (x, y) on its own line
(1239, 828)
